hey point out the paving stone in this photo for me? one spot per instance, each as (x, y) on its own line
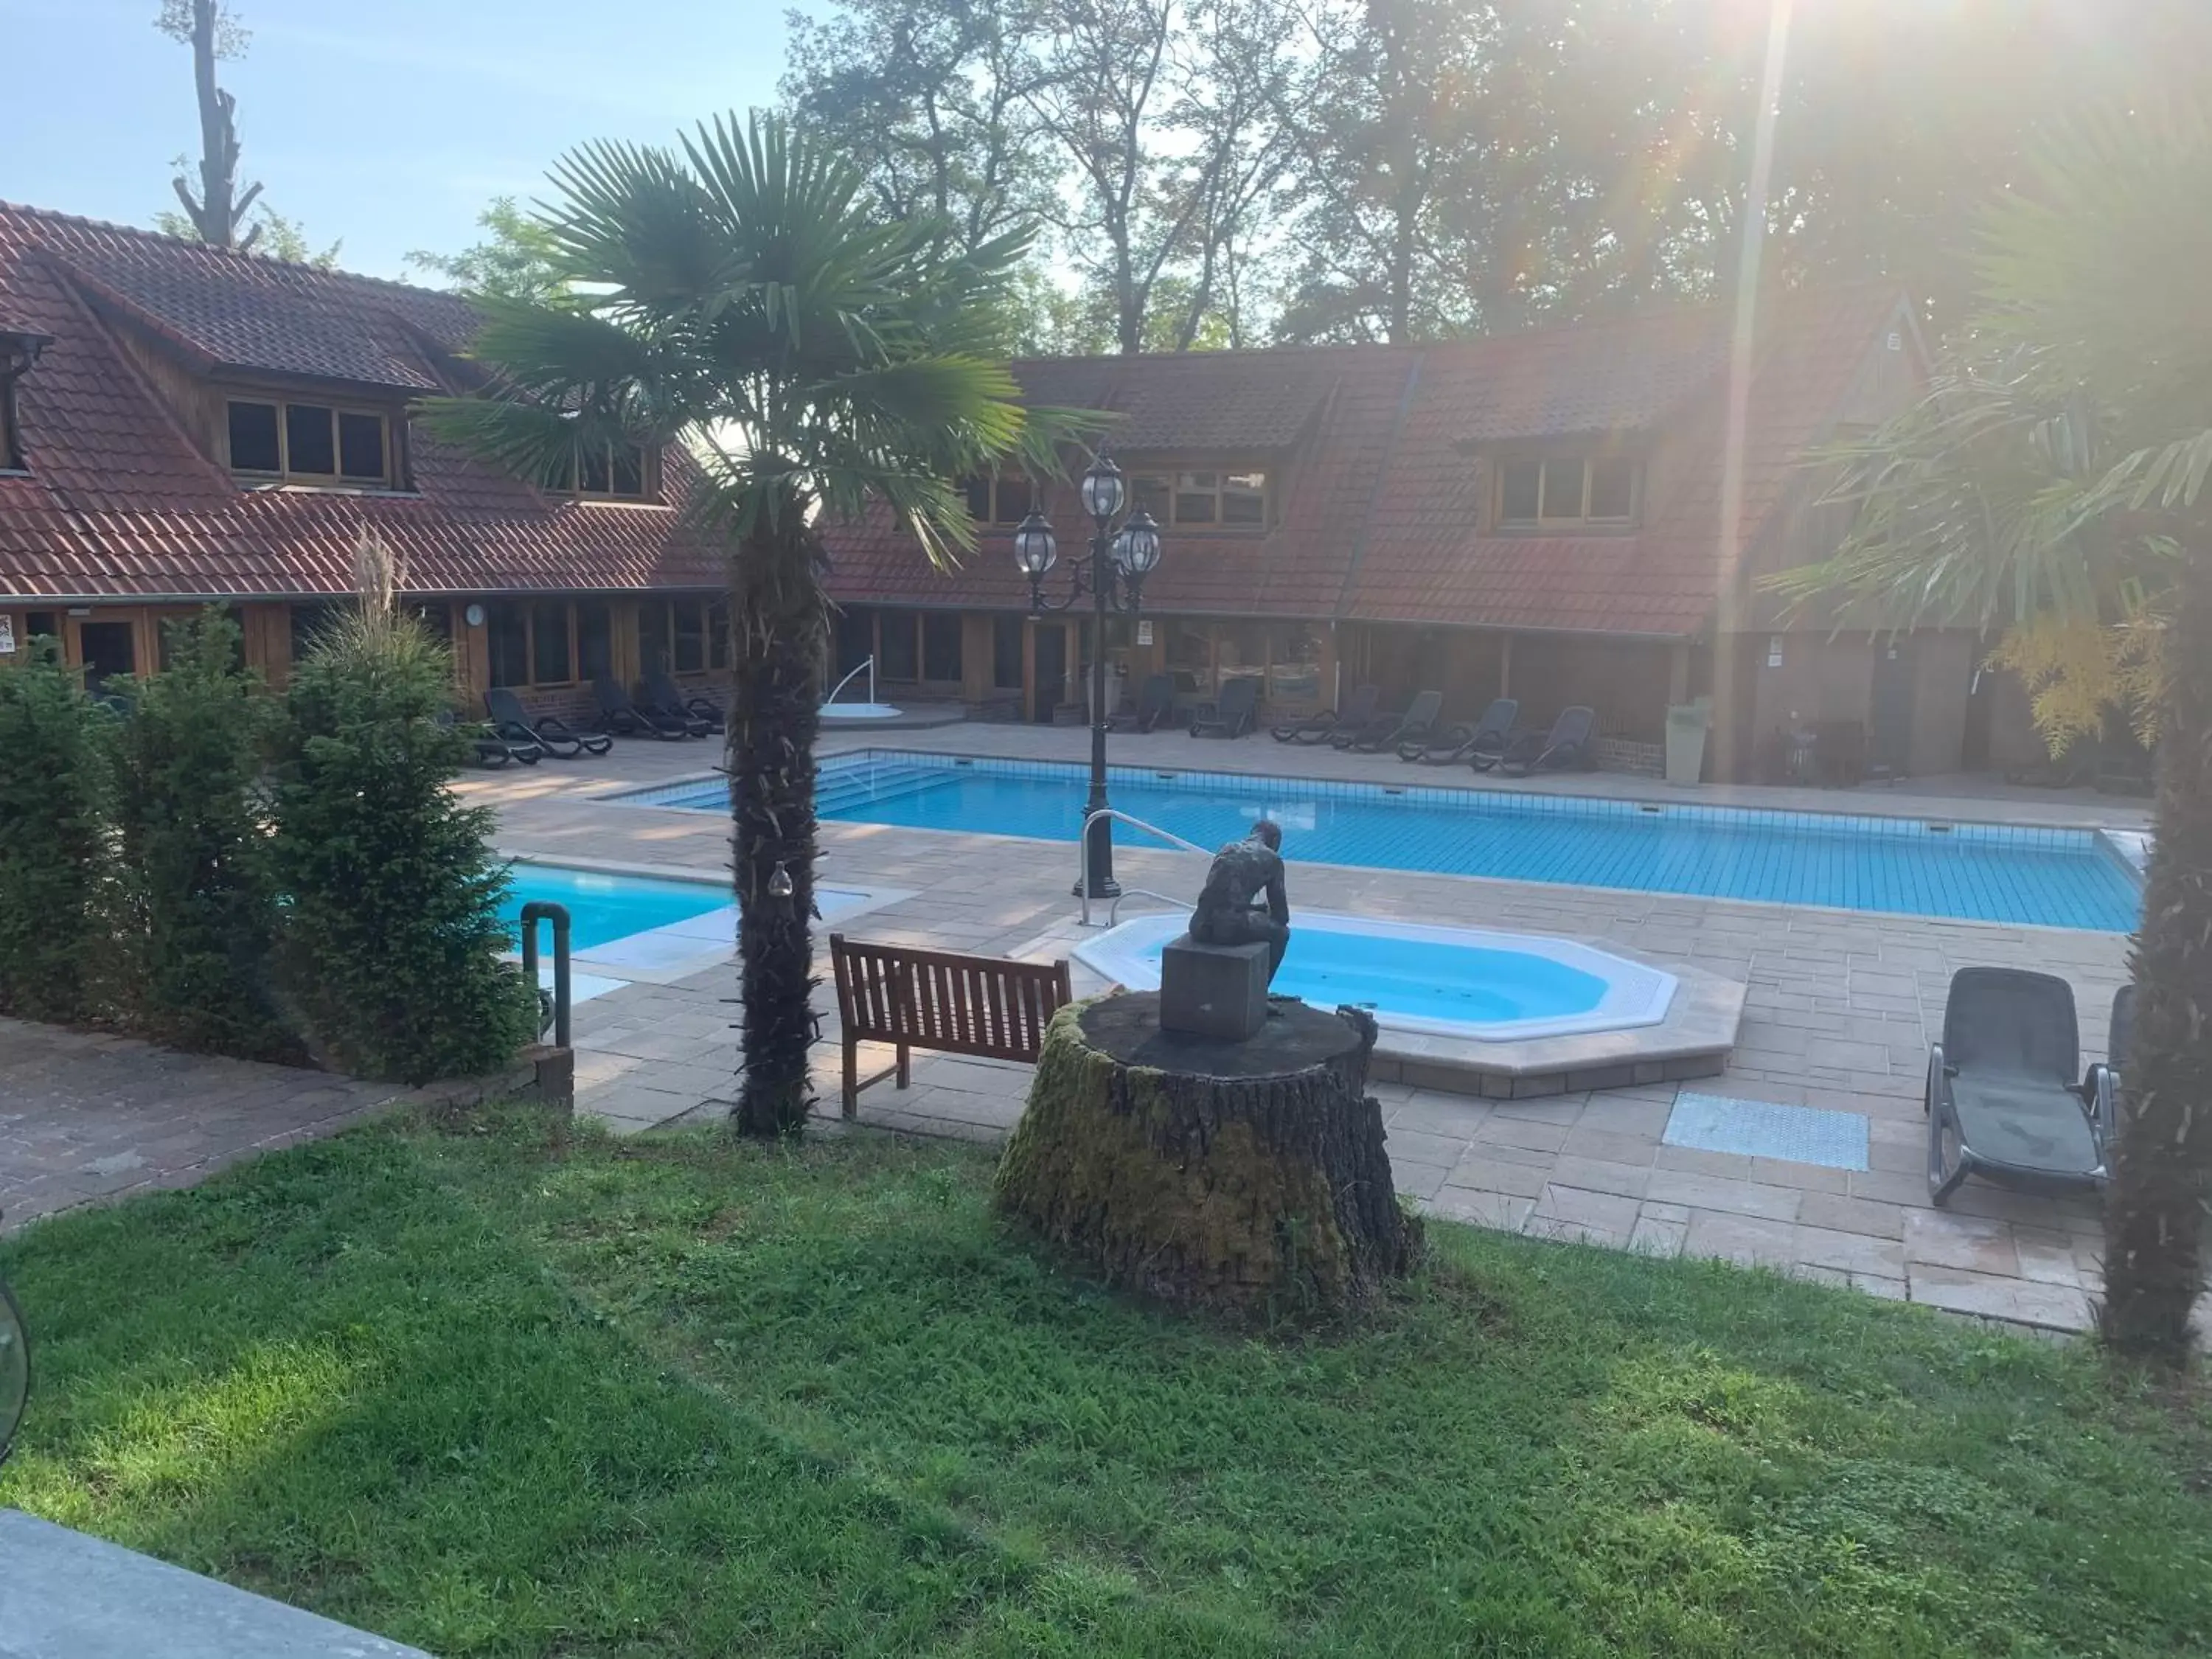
(1656, 1236)
(1418, 1148)
(1596, 1174)
(1736, 1197)
(1492, 1175)
(1503, 1211)
(1849, 1252)
(1943, 1239)
(1851, 1215)
(1416, 1180)
(1748, 1240)
(1608, 1210)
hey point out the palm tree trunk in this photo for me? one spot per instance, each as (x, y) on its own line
(2154, 1216)
(779, 628)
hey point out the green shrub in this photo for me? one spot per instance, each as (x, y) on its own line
(391, 941)
(195, 855)
(56, 841)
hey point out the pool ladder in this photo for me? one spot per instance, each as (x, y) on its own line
(1083, 864)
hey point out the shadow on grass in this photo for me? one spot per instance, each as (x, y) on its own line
(671, 1396)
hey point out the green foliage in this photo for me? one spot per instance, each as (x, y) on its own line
(517, 259)
(195, 839)
(391, 940)
(496, 1393)
(57, 851)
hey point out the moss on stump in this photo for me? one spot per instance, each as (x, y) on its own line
(1246, 1176)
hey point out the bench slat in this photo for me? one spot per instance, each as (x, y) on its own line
(986, 1006)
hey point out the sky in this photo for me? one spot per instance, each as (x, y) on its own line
(387, 127)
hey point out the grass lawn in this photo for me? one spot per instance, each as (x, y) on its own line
(496, 1395)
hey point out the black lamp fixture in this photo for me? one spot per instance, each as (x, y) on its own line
(1114, 577)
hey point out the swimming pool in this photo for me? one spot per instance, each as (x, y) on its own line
(1974, 873)
(603, 907)
(1434, 982)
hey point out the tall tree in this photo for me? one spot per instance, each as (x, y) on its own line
(2065, 462)
(217, 214)
(741, 298)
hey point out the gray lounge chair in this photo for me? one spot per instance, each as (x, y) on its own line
(1231, 716)
(510, 720)
(618, 714)
(1487, 737)
(2001, 1099)
(698, 717)
(1154, 706)
(2105, 1075)
(494, 750)
(1567, 744)
(1391, 731)
(1356, 715)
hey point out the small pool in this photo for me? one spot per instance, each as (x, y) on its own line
(1431, 981)
(834, 712)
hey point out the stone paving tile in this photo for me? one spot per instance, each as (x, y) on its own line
(1851, 1215)
(1492, 1176)
(1942, 1238)
(1738, 1197)
(1747, 1241)
(1414, 1147)
(1959, 1290)
(1850, 1252)
(1659, 1235)
(1609, 1211)
(1596, 1174)
(1503, 1212)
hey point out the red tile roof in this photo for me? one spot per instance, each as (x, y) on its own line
(120, 501)
(1381, 521)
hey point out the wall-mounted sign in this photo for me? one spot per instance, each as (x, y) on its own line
(1143, 633)
(1774, 651)
(6, 636)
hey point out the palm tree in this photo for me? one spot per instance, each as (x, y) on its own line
(2057, 478)
(735, 300)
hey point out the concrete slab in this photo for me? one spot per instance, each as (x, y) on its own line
(66, 1595)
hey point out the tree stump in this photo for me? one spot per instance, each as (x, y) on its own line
(1248, 1177)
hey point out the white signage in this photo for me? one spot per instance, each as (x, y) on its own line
(1144, 635)
(6, 636)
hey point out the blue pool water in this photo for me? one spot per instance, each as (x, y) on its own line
(1977, 873)
(1428, 980)
(604, 908)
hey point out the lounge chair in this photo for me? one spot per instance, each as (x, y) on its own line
(1154, 706)
(2001, 1099)
(1230, 716)
(493, 750)
(663, 694)
(2106, 1076)
(1567, 744)
(1485, 738)
(619, 715)
(1415, 725)
(1357, 713)
(509, 720)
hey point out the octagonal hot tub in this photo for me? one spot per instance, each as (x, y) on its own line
(1457, 982)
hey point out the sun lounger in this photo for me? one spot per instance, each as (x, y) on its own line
(663, 694)
(1486, 737)
(1231, 716)
(509, 720)
(2001, 1098)
(1154, 706)
(619, 715)
(1567, 744)
(1416, 725)
(492, 748)
(1356, 715)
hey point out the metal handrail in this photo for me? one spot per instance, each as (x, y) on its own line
(1082, 855)
(869, 664)
(536, 911)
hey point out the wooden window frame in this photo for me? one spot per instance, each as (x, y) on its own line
(714, 641)
(997, 516)
(339, 480)
(528, 604)
(647, 493)
(1167, 474)
(1548, 522)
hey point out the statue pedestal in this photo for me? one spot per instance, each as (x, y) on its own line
(1246, 1176)
(1217, 990)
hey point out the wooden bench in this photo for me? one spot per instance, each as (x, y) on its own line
(936, 1000)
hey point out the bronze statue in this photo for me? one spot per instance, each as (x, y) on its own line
(1245, 875)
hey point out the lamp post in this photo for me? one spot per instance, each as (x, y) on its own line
(1114, 577)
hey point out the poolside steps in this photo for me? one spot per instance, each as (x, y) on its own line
(843, 789)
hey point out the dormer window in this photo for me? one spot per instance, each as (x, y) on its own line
(1566, 490)
(1209, 499)
(1000, 500)
(617, 471)
(17, 352)
(288, 442)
